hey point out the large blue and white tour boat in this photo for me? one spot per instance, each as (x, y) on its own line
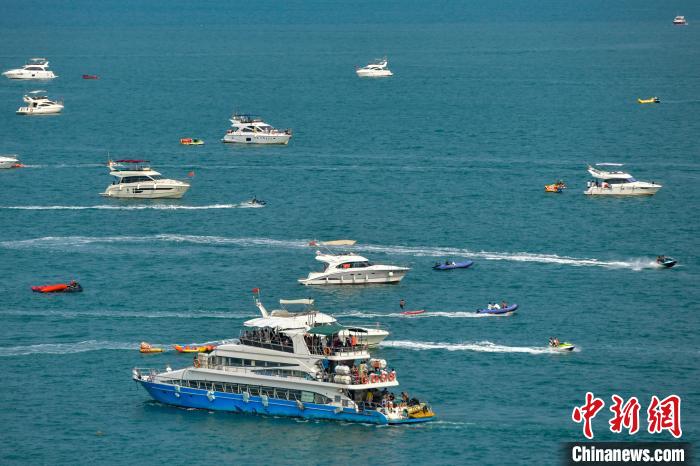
(311, 373)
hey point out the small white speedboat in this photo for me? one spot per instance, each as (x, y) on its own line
(39, 104)
(680, 21)
(37, 68)
(378, 69)
(9, 161)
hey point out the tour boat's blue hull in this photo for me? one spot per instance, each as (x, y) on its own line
(235, 402)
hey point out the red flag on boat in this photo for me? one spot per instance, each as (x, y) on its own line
(190, 174)
(256, 290)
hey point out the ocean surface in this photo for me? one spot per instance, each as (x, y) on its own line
(446, 160)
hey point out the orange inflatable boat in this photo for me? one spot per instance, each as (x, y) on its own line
(72, 287)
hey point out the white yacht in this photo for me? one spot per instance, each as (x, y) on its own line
(311, 374)
(37, 68)
(39, 104)
(310, 318)
(136, 180)
(246, 129)
(9, 161)
(378, 69)
(680, 21)
(352, 269)
(617, 183)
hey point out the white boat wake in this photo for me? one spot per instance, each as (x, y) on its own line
(67, 348)
(151, 314)
(415, 251)
(398, 315)
(89, 345)
(481, 346)
(133, 207)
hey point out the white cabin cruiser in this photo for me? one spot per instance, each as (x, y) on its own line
(135, 180)
(617, 183)
(378, 69)
(680, 21)
(9, 161)
(352, 269)
(309, 318)
(37, 68)
(246, 129)
(312, 374)
(39, 104)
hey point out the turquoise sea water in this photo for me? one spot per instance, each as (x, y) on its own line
(447, 159)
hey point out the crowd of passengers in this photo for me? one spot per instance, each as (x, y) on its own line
(317, 343)
(362, 373)
(385, 399)
(267, 335)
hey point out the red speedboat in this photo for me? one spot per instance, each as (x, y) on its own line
(90, 76)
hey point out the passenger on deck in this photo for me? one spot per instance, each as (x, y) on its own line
(504, 304)
(490, 306)
(496, 306)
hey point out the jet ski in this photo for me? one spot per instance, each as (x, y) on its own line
(255, 202)
(504, 310)
(666, 262)
(561, 347)
(453, 265)
(413, 313)
(72, 287)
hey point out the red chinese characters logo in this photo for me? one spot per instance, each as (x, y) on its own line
(665, 415)
(587, 412)
(626, 416)
(661, 415)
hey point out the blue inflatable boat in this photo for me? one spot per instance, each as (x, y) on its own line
(453, 265)
(504, 310)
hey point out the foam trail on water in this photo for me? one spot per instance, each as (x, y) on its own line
(67, 348)
(90, 345)
(73, 241)
(416, 251)
(130, 207)
(184, 314)
(481, 346)
(506, 256)
(398, 315)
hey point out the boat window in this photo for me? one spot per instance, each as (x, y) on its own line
(307, 397)
(247, 129)
(35, 68)
(254, 390)
(344, 265)
(135, 179)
